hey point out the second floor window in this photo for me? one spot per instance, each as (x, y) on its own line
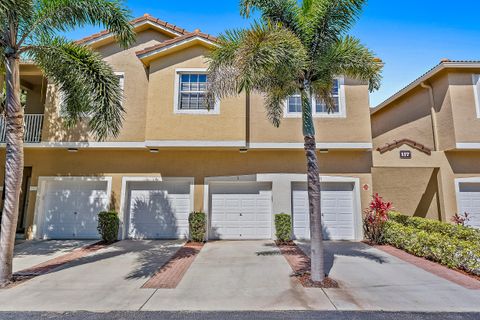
(193, 88)
(319, 107)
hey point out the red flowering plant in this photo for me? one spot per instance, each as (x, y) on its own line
(376, 215)
(461, 219)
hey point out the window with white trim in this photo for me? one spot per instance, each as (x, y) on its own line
(320, 109)
(191, 87)
(476, 90)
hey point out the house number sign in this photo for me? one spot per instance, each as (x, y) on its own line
(405, 154)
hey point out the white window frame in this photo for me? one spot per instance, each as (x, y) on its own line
(176, 103)
(342, 108)
(121, 76)
(476, 91)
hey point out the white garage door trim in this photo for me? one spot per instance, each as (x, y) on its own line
(357, 205)
(39, 219)
(244, 195)
(123, 205)
(458, 183)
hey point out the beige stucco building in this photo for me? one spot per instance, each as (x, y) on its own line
(427, 144)
(174, 155)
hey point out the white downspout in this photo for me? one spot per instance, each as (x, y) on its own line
(432, 114)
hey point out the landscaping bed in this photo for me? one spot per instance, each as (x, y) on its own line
(455, 246)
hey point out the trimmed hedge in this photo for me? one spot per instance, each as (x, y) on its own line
(442, 248)
(283, 227)
(198, 226)
(108, 225)
(454, 231)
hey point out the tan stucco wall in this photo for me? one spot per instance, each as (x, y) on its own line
(407, 118)
(355, 127)
(466, 121)
(197, 164)
(413, 191)
(164, 124)
(135, 93)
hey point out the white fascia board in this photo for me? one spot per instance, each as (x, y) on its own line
(468, 146)
(293, 145)
(84, 145)
(138, 24)
(195, 144)
(174, 45)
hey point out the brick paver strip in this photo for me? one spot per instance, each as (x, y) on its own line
(172, 272)
(432, 267)
(48, 266)
(296, 258)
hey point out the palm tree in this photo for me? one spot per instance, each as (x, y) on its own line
(294, 48)
(28, 30)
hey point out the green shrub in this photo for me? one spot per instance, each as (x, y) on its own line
(283, 227)
(454, 231)
(198, 226)
(108, 224)
(449, 251)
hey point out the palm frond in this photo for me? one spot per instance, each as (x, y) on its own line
(89, 87)
(285, 12)
(266, 56)
(52, 16)
(350, 58)
(326, 21)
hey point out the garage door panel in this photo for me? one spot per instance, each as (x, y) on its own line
(469, 201)
(71, 207)
(240, 211)
(158, 210)
(337, 209)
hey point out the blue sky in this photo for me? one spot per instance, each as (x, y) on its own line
(410, 36)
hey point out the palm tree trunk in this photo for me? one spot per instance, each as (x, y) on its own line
(313, 175)
(13, 167)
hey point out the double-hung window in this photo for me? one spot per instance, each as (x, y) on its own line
(191, 93)
(319, 106)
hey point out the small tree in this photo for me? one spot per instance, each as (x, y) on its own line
(28, 30)
(375, 218)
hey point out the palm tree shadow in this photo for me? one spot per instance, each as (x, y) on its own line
(343, 248)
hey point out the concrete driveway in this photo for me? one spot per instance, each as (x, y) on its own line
(31, 253)
(239, 275)
(243, 275)
(373, 280)
(109, 279)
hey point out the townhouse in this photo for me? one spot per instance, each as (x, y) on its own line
(174, 156)
(427, 144)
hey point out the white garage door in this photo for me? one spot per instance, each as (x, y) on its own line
(469, 201)
(71, 207)
(337, 201)
(241, 211)
(158, 210)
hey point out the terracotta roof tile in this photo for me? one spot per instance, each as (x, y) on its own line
(196, 33)
(145, 17)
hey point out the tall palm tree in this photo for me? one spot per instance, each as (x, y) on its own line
(28, 30)
(294, 48)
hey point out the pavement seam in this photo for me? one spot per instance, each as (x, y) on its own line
(328, 297)
(143, 305)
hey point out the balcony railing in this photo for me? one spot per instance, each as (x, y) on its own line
(33, 128)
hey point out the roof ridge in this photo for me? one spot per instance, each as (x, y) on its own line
(145, 17)
(196, 33)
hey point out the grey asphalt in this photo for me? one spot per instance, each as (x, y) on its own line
(246, 315)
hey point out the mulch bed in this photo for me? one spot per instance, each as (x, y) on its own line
(172, 272)
(300, 264)
(460, 277)
(52, 264)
